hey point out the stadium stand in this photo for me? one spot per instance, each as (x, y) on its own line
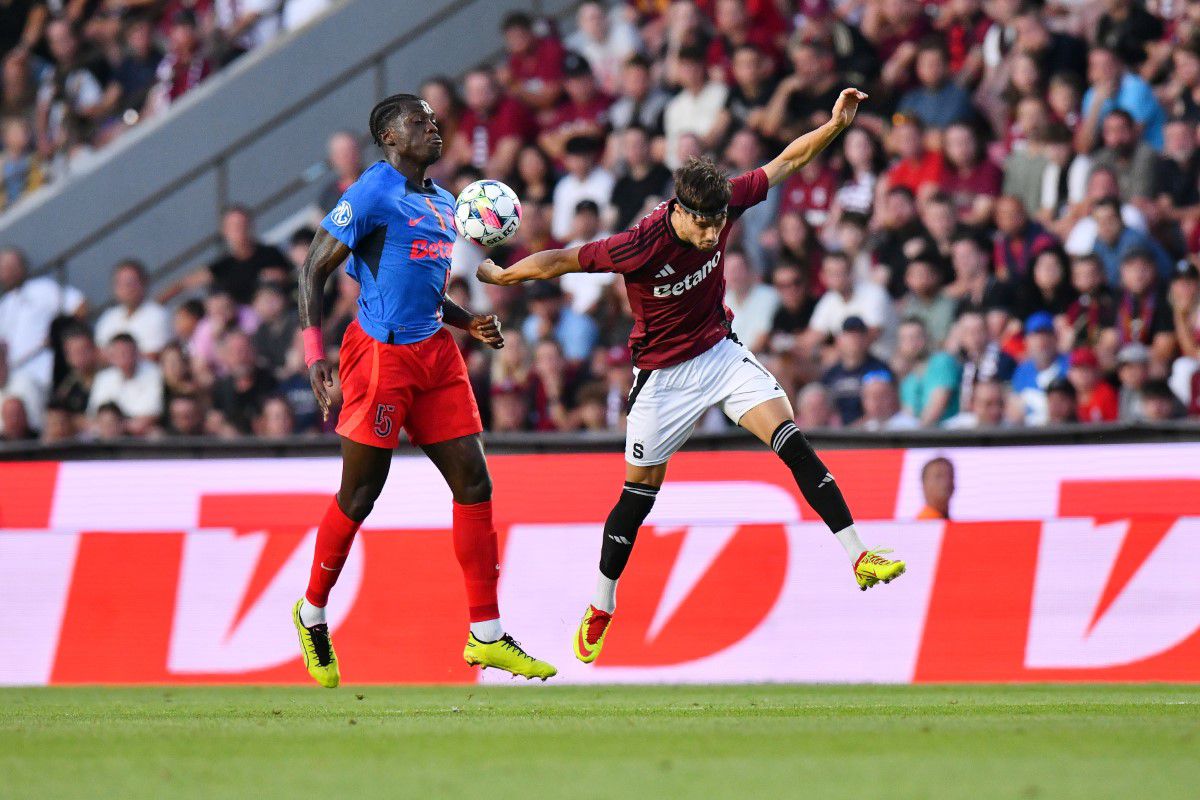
(1005, 241)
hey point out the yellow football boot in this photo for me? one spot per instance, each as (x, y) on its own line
(872, 568)
(317, 646)
(506, 654)
(589, 639)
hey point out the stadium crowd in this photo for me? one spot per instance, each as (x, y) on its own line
(76, 74)
(1006, 237)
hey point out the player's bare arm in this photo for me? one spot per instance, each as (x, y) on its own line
(325, 255)
(484, 327)
(537, 267)
(807, 147)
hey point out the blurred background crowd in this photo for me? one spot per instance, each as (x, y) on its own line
(1006, 237)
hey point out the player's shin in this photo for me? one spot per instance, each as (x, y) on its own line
(334, 539)
(817, 485)
(477, 551)
(620, 532)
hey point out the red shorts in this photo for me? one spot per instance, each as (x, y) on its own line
(421, 387)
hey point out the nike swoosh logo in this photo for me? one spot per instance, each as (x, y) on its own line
(329, 569)
(414, 222)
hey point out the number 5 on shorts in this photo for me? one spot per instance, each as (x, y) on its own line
(383, 422)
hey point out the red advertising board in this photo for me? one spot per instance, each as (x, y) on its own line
(1062, 563)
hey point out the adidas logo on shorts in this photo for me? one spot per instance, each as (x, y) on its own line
(665, 272)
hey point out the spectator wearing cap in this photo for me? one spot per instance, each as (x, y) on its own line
(1114, 86)
(585, 179)
(145, 320)
(844, 298)
(844, 379)
(937, 486)
(133, 383)
(28, 308)
(925, 299)
(989, 401)
(753, 304)
(605, 39)
(1115, 242)
(1062, 403)
(938, 101)
(1043, 364)
(1143, 312)
(493, 126)
(1097, 400)
(533, 73)
(881, 405)
(583, 112)
(1184, 297)
(640, 101)
(695, 108)
(550, 317)
(1133, 371)
(643, 182)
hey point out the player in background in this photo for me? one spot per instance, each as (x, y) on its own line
(400, 368)
(686, 358)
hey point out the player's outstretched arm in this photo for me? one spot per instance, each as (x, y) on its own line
(805, 149)
(324, 256)
(537, 267)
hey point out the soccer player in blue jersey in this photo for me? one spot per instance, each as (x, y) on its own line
(400, 368)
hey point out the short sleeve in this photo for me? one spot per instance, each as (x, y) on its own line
(749, 189)
(354, 217)
(623, 252)
(942, 372)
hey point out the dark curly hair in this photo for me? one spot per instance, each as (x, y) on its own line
(702, 186)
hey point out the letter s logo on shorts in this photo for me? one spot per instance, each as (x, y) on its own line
(342, 214)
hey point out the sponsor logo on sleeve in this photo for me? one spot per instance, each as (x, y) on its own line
(342, 214)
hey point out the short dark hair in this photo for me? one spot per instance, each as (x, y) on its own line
(702, 186)
(385, 112)
(693, 53)
(1121, 114)
(517, 19)
(123, 338)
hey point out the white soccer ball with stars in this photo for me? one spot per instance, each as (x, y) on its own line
(487, 212)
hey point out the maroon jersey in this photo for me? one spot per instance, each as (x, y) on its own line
(677, 292)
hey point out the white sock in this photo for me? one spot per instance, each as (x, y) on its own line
(488, 631)
(849, 539)
(606, 594)
(311, 615)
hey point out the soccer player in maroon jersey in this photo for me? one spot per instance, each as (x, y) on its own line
(687, 360)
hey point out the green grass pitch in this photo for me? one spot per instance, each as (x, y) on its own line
(543, 741)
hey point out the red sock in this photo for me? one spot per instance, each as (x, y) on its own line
(334, 538)
(478, 555)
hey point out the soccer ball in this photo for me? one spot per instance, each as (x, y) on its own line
(487, 212)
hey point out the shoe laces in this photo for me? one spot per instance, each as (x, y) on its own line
(320, 641)
(873, 556)
(512, 644)
(596, 625)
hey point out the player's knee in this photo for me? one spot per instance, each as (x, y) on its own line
(475, 486)
(358, 501)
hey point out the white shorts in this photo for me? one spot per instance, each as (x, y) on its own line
(667, 403)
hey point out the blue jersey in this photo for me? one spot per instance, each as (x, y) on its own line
(400, 239)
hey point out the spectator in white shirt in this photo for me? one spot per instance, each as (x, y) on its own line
(21, 387)
(146, 321)
(297, 13)
(605, 40)
(247, 24)
(585, 288)
(585, 180)
(695, 109)
(27, 308)
(132, 382)
(752, 303)
(844, 297)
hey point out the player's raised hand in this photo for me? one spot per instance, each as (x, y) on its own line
(486, 328)
(321, 377)
(489, 272)
(847, 106)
